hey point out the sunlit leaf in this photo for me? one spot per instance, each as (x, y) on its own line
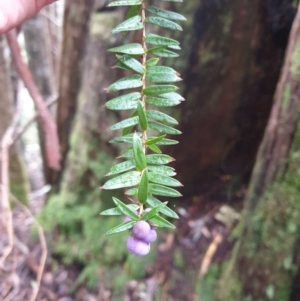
(172, 96)
(138, 151)
(163, 128)
(167, 141)
(158, 159)
(161, 117)
(124, 102)
(127, 179)
(157, 189)
(132, 49)
(166, 13)
(124, 2)
(125, 123)
(127, 82)
(121, 228)
(127, 211)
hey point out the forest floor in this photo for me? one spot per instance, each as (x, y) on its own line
(183, 257)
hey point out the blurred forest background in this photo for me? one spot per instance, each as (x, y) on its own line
(238, 237)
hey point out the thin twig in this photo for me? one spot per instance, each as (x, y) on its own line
(48, 125)
(43, 246)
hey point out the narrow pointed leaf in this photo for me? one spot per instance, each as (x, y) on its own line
(157, 189)
(125, 209)
(133, 11)
(142, 116)
(121, 167)
(162, 78)
(162, 102)
(120, 228)
(163, 128)
(161, 117)
(128, 153)
(117, 211)
(152, 62)
(155, 149)
(162, 179)
(124, 102)
(128, 129)
(139, 156)
(161, 222)
(143, 188)
(153, 140)
(166, 13)
(161, 69)
(172, 96)
(127, 179)
(159, 89)
(133, 23)
(132, 63)
(163, 23)
(124, 3)
(163, 170)
(175, 47)
(152, 202)
(154, 211)
(157, 159)
(157, 40)
(162, 52)
(127, 82)
(131, 192)
(125, 123)
(132, 49)
(124, 139)
(167, 141)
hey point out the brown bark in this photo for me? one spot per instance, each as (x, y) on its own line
(76, 20)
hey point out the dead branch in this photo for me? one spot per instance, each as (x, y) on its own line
(47, 123)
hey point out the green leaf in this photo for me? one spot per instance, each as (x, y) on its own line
(166, 141)
(161, 117)
(175, 47)
(157, 159)
(163, 128)
(155, 149)
(127, 153)
(163, 23)
(154, 211)
(161, 69)
(132, 63)
(124, 102)
(128, 129)
(139, 156)
(132, 49)
(152, 62)
(125, 209)
(143, 187)
(133, 11)
(142, 116)
(152, 202)
(127, 82)
(162, 78)
(163, 190)
(120, 228)
(125, 123)
(157, 40)
(121, 167)
(162, 102)
(162, 52)
(133, 23)
(131, 192)
(124, 139)
(153, 140)
(117, 211)
(159, 89)
(161, 222)
(164, 180)
(124, 3)
(163, 170)
(166, 13)
(172, 96)
(128, 179)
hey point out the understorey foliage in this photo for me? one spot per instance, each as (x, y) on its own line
(144, 172)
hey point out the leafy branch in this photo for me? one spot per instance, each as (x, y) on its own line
(144, 174)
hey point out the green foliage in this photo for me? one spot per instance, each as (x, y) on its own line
(150, 176)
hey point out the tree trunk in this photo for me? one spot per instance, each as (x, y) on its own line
(266, 258)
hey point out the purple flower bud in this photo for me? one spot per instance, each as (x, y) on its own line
(151, 237)
(137, 247)
(141, 229)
